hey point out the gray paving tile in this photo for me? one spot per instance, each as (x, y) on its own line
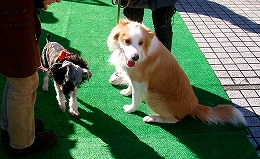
(254, 81)
(249, 73)
(226, 81)
(253, 121)
(231, 67)
(254, 102)
(222, 74)
(244, 67)
(249, 93)
(240, 81)
(255, 131)
(247, 111)
(217, 67)
(234, 94)
(236, 58)
(225, 59)
(256, 110)
(235, 73)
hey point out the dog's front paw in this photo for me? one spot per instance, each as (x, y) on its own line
(149, 119)
(129, 108)
(74, 113)
(126, 92)
(45, 88)
(45, 84)
(62, 107)
(158, 119)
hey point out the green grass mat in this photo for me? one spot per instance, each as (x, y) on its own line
(103, 130)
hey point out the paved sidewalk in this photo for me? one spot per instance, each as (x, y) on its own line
(228, 33)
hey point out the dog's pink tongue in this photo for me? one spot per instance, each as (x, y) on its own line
(130, 63)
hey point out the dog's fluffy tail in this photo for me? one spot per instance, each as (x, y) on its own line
(219, 114)
(48, 38)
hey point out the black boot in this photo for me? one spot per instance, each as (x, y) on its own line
(43, 141)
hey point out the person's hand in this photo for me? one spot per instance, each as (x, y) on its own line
(49, 2)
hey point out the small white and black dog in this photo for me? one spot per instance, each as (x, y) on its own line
(67, 71)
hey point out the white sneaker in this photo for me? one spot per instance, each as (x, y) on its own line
(117, 79)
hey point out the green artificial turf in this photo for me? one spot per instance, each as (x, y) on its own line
(103, 129)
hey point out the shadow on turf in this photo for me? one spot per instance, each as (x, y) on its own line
(93, 2)
(122, 142)
(48, 17)
(55, 38)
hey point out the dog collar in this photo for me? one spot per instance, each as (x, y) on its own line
(63, 54)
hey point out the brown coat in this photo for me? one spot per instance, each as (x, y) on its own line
(19, 34)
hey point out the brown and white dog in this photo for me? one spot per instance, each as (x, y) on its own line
(155, 75)
(67, 70)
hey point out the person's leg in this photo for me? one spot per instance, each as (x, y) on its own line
(162, 21)
(4, 121)
(18, 102)
(134, 14)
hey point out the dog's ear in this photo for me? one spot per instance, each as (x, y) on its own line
(114, 34)
(112, 40)
(86, 73)
(57, 73)
(123, 22)
(68, 65)
(65, 64)
(149, 32)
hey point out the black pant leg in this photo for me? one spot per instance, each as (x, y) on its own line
(162, 21)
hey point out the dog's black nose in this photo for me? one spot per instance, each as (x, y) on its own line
(135, 57)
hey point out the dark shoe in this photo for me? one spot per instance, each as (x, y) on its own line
(43, 141)
(39, 125)
(5, 139)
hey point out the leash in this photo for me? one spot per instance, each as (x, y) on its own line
(118, 11)
(47, 69)
(118, 2)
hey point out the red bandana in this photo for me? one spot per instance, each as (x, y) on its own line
(63, 54)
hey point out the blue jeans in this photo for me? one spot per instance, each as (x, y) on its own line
(162, 21)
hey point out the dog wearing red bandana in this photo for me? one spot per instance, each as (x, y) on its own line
(67, 70)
